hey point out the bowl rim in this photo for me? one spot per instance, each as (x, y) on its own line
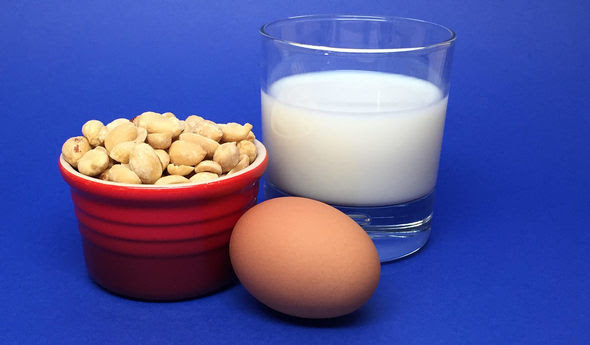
(93, 185)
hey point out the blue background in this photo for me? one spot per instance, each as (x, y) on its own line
(508, 260)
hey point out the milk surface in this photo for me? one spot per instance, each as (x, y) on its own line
(353, 137)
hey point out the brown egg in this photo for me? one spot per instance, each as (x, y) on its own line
(304, 258)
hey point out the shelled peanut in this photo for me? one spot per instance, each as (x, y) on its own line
(154, 148)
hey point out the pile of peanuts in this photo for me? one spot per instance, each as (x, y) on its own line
(159, 149)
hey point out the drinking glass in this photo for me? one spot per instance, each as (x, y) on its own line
(353, 111)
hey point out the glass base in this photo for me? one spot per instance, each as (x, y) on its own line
(396, 230)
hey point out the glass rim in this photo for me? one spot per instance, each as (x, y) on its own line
(264, 32)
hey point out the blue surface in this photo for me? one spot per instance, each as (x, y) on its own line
(508, 260)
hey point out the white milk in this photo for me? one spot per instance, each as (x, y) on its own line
(353, 137)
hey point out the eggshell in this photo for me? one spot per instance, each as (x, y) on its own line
(304, 258)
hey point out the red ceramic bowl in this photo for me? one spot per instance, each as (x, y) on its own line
(161, 242)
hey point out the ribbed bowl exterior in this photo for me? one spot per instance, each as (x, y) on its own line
(166, 243)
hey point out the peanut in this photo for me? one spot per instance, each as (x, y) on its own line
(142, 119)
(203, 176)
(101, 148)
(93, 162)
(207, 129)
(91, 130)
(191, 124)
(235, 132)
(160, 140)
(227, 156)
(121, 151)
(194, 120)
(116, 123)
(207, 144)
(74, 148)
(208, 166)
(144, 161)
(184, 152)
(181, 170)
(179, 129)
(111, 161)
(122, 174)
(141, 135)
(102, 134)
(164, 158)
(105, 175)
(243, 163)
(248, 148)
(172, 179)
(119, 134)
(164, 125)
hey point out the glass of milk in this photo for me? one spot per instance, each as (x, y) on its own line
(353, 111)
